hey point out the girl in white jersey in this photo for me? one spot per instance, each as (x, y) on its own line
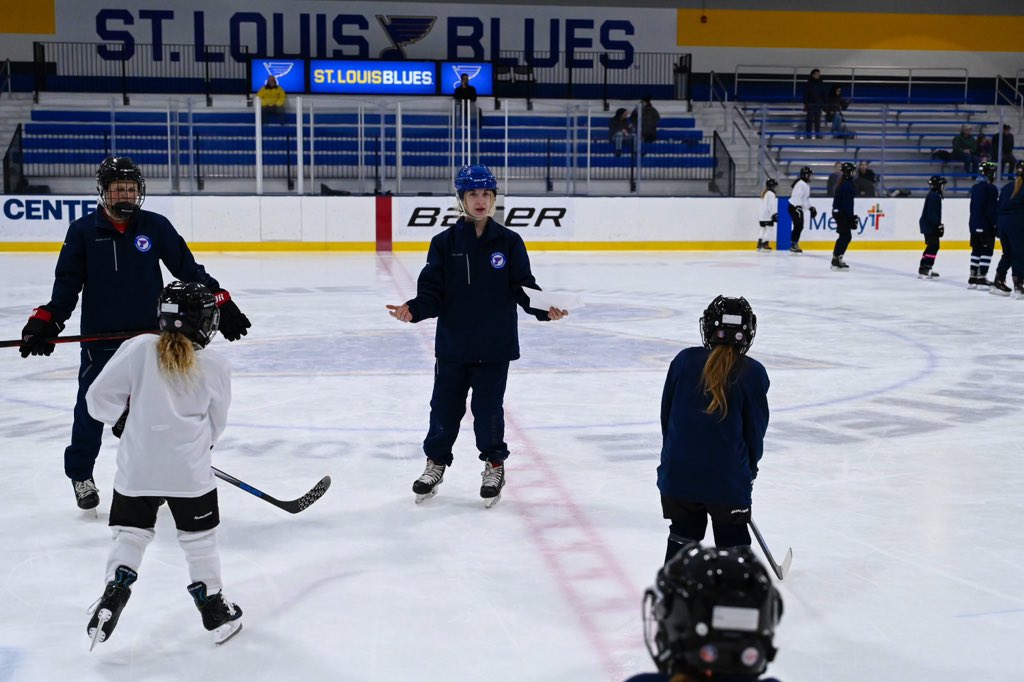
(768, 213)
(179, 403)
(800, 207)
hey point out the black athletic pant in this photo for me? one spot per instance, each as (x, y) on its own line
(845, 225)
(689, 522)
(1005, 258)
(798, 223)
(452, 383)
(86, 432)
(983, 244)
(931, 249)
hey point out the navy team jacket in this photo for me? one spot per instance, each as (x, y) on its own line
(984, 199)
(1011, 209)
(704, 458)
(931, 213)
(118, 274)
(842, 202)
(472, 287)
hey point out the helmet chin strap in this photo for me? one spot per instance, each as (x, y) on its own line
(465, 213)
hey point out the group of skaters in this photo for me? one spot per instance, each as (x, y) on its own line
(995, 213)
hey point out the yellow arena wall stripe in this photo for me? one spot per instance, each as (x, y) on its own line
(28, 17)
(848, 30)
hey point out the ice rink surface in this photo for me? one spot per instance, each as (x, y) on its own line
(893, 468)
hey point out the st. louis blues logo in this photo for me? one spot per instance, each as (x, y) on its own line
(470, 70)
(278, 69)
(143, 243)
(497, 260)
(403, 31)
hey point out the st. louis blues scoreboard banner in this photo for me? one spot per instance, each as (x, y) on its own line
(363, 77)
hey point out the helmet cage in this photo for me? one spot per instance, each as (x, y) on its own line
(120, 169)
(728, 321)
(189, 309)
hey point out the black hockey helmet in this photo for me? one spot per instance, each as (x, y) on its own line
(988, 170)
(770, 184)
(189, 308)
(1018, 170)
(120, 169)
(847, 169)
(729, 321)
(936, 182)
(805, 173)
(712, 612)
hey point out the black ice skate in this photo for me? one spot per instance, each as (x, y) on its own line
(220, 616)
(795, 248)
(838, 264)
(983, 284)
(494, 481)
(1018, 288)
(108, 608)
(86, 494)
(426, 485)
(927, 273)
(999, 287)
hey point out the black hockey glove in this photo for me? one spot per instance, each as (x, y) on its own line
(41, 326)
(775, 217)
(118, 428)
(233, 322)
(940, 230)
(814, 212)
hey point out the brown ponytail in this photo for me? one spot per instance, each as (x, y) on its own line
(1017, 184)
(175, 354)
(714, 378)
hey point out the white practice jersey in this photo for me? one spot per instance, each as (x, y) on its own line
(801, 196)
(173, 422)
(769, 206)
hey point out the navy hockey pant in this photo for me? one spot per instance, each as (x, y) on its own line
(452, 383)
(931, 249)
(1016, 239)
(845, 225)
(1006, 257)
(86, 432)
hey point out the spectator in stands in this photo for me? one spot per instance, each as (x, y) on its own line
(465, 91)
(965, 148)
(984, 148)
(833, 180)
(272, 98)
(835, 105)
(814, 102)
(1004, 142)
(648, 120)
(620, 130)
(865, 180)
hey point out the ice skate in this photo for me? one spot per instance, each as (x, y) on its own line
(108, 608)
(927, 273)
(220, 616)
(87, 495)
(427, 484)
(999, 287)
(795, 248)
(493, 482)
(983, 284)
(765, 246)
(1018, 288)
(839, 264)
(760, 245)
(972, 281)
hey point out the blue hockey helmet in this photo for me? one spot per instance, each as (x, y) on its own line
(712, 611)
(475, 177)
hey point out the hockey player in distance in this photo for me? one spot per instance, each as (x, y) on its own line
(842, 213)
(711, 615)
(931, 227)
(475, 276)
(800, 207)
(180, 395)
(768, 213)
(1010, 224)
(982, 224)
(714, 414)
(112, 258)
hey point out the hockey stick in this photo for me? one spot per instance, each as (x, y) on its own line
(291, 506)
(100, 336)
(782, 570)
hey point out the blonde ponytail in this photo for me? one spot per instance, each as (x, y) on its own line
(714, 378)
(1017, 184)
(175, 354)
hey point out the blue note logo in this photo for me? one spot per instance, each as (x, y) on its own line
(471, 70)
(278, 69)
(402, 31)
(498, 260)
(143, 243)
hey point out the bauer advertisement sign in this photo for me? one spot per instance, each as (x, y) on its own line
(417, 219)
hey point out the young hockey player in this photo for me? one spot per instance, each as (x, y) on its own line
(768, 213)
(842, 213)
(714, 414)
(1010, 224)
(475, 275)
(711, 615)
(112, 258)
(800, 207)
(982, 224)
(931, 227)
(179, 402)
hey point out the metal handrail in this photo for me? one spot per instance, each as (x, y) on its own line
(853, 74)
(713, 79)
(1017, 100)
(5, 77)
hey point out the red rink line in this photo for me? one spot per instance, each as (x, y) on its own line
(584, 568)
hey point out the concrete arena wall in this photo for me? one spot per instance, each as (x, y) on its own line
(253, 223)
